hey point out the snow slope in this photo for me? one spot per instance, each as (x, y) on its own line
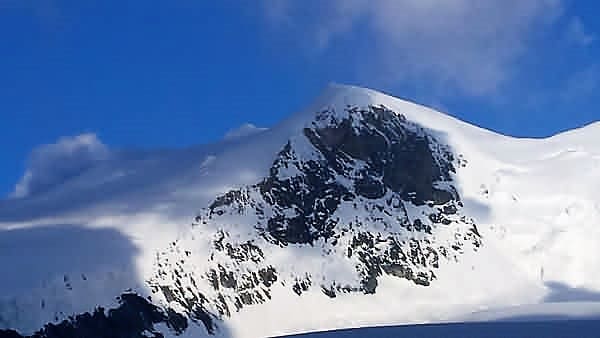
(99, 222)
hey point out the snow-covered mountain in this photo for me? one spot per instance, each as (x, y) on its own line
(361, 210)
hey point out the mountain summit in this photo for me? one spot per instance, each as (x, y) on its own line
(362, 209)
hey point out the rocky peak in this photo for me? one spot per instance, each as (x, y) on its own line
(368, 189)
(398, 155)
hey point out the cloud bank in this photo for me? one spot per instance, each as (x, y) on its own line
(51, 164)
(466, 45)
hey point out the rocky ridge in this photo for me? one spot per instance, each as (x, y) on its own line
(364, 189)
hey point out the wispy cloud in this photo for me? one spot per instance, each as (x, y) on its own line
(577, 33)
(47, 12)
(582, 85)
(465, 45)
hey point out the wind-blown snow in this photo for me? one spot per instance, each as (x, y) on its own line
(52, 164)
(535, 202)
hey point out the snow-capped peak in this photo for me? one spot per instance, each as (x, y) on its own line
(362, 209)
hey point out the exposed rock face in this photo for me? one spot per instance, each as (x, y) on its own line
(364, 187)
(135, 317)
(377, 150)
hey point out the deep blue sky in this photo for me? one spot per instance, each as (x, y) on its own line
(181, 72)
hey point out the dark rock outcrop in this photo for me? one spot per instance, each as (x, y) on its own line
(136, 317)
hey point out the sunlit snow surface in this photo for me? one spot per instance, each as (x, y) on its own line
(91, 224)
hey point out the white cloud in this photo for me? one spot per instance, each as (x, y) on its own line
(51, 164)
(468, 45)
(577, 33)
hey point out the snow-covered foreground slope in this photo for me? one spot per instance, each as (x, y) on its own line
(361, 210)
